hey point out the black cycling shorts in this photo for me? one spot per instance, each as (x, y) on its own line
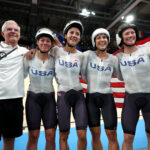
(75, 100)
(11, 117)
(41, 106)
(98, 103)
(133, 103)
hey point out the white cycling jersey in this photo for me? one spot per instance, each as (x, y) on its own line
(40, 73)
(98, 72)
(11, 72)
(67, 69)
(135, 69)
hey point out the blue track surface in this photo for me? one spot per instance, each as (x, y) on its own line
(139, 142)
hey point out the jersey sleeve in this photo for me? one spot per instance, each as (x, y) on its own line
(148, 48)
(26, 67)
(117, 71)
(84, 66)
(54, 50)
(23, 50)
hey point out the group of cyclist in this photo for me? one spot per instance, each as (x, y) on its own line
(66, 64)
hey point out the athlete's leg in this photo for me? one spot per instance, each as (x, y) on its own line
(109, 114)
(146, 116)
(33, 139)
(129, 119)
(33, 116)
(94, 114)
(112, 138)
(8, 143)
(63, 140)
(80, 115)
(50, 139)
(128, 142)
(64, 111)
(96, 143)
(49, 118)
(82, 141)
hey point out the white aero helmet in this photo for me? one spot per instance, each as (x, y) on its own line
(97, 32)
(118, 40)
(73, 23)
(45, 31)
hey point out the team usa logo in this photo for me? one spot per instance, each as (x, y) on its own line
(100, 68)
(133, 62)
(68, 64)
(42, 73)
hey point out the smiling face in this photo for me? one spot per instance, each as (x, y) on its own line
(44, 44)
(101, 42)
(73, 36)
(11, 34)
(129, 37)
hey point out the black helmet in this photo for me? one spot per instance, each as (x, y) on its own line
(73, 23)
(122, 28)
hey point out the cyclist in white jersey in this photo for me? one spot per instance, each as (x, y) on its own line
(97, 70)
(68, 62)
(40, 103)
(11, 84)
(135, 70)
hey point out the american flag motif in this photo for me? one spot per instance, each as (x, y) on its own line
(118, 91)
(117, 87)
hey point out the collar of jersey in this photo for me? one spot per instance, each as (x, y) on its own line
(4, 45)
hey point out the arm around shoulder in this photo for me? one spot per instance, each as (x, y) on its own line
(117, 71)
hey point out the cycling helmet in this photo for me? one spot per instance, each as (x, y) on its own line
(45, 31)
(97, 32)
(73, 23)
(122, 28)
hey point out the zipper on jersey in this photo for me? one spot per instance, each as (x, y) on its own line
(68, 70)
